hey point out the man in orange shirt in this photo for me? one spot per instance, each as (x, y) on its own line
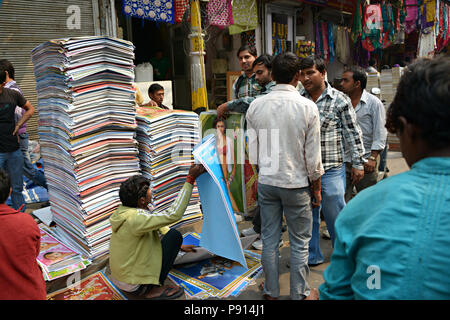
(20, 275)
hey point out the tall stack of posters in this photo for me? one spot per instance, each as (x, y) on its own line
(87, 122)
(166, 140)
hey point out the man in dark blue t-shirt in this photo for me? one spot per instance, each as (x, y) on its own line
(11, 158)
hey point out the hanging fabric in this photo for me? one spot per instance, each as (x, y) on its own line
(324, 32)
(330, 42)
(245, 16)
(372, 36)
(319, 47)
(388, 24)
(180, 9)
(154, 10)
(356, 25)
(443, 38)
(219, 13)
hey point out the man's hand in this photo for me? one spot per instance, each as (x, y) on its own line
(317, 198)
(316, 191)
(222, 110)
(187, 248)
(369, 166)
(151, 103)
(196, 170)
(357, 175)
(16, 130)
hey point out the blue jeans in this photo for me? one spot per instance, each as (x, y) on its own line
(12, 163)
(296, 206)
(383, 159)
(28, 169)
(333, 200)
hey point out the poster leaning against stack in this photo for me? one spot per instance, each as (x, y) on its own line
(233, 153)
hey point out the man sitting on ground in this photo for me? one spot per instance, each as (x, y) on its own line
(139, 259)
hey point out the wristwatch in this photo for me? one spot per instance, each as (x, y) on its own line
(372, 158)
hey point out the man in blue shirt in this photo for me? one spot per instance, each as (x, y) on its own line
(392, 239)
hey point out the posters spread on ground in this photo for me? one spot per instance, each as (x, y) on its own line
(94, 287)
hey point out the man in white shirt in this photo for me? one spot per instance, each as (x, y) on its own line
(371, 118)
(284, 141)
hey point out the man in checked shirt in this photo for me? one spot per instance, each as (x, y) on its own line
(337, 122)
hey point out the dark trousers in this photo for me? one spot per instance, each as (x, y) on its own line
(171, 244)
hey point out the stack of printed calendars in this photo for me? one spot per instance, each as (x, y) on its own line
(166, 140)
(87, 122)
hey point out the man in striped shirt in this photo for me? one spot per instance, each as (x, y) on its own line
(337, 125)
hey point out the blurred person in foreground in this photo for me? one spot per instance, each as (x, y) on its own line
(392, 239)
(20, 242)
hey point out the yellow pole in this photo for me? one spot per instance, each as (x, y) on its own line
(198, 78)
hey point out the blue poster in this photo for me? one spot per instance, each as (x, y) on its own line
(220, 234)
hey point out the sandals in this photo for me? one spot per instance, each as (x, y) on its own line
(265, 295)
(165, 294)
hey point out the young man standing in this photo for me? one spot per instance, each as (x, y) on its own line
(284, 120)
(371, 118)
(262, 70)
(28, 169)
(337, 124)
(246, 85)
(11, 158)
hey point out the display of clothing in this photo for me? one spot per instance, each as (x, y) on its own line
(219, 13)
(154, 10)
(411, 15)
(180, 9)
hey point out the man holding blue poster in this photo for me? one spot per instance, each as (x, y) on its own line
(284, 141)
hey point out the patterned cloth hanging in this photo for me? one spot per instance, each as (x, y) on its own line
(443, 38)
(372, 36)
(331, 42)
(245, 16)
(180, 9)
(411, 16)
(388, 24)
(219, 13)
(324, 30)
(357, 25)
(154, 10)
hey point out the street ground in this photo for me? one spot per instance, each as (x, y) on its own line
(395, 163)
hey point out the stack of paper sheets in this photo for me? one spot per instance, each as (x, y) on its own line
(166, 140)
(87, 123)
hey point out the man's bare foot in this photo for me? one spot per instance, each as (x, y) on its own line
(313, 295)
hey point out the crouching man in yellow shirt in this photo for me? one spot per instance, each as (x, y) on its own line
(139, 259)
